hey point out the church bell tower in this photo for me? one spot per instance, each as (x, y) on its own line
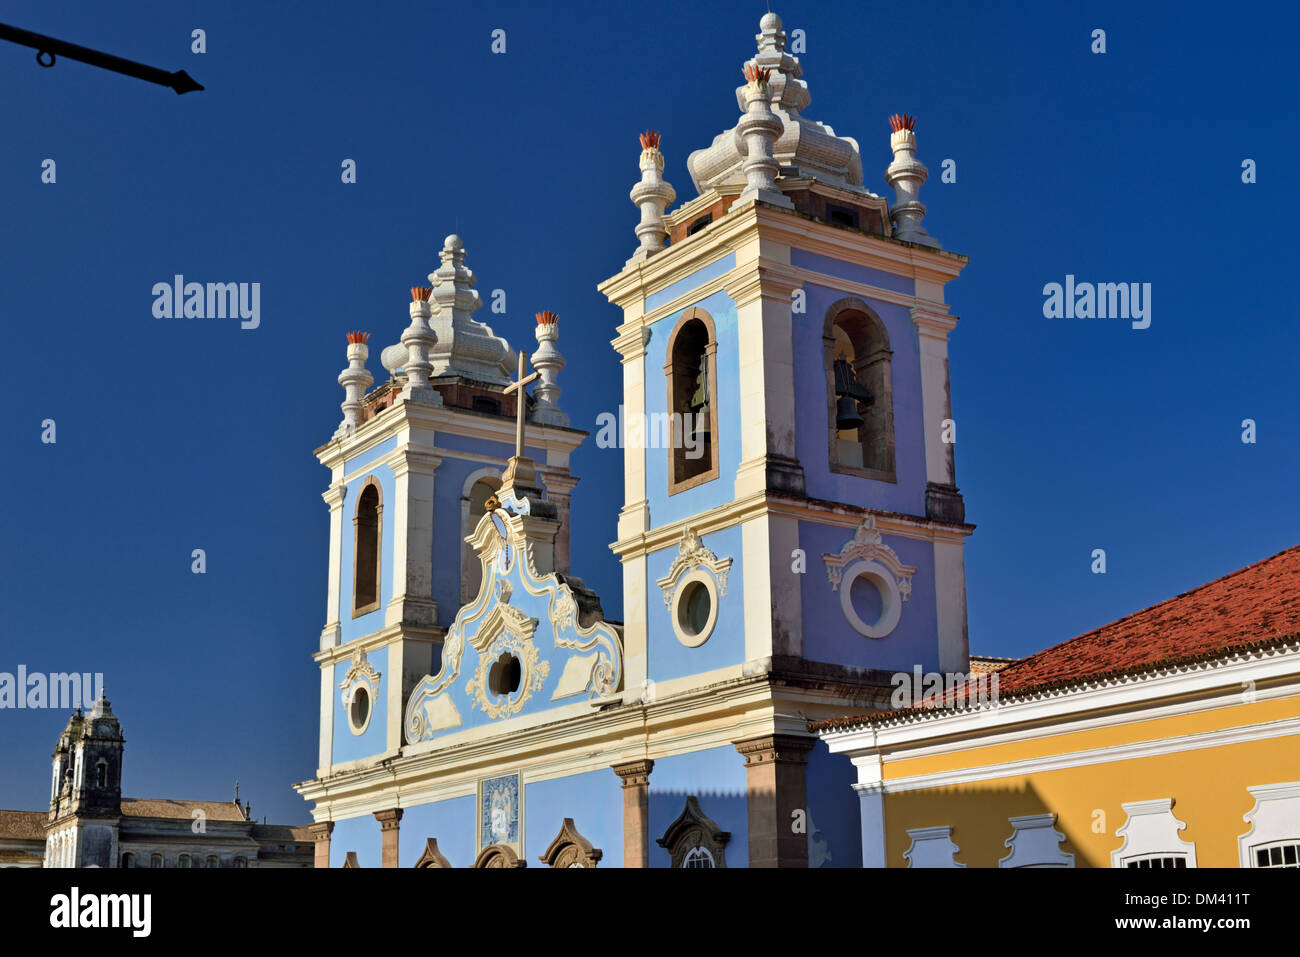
(790, 502)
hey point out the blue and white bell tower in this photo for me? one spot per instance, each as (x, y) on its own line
(791, 535)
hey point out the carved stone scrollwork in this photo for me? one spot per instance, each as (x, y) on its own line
(432, 857)
(571, 849)
(692, 554)
(692, 833)
(499, 855)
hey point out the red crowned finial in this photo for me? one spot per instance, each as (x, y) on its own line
(420, 293)
(547, 318)
(755, 75)
(903, 121)
(358, 338)
(650, 140)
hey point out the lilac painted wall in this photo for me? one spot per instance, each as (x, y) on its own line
(828, 637)
(908, 493)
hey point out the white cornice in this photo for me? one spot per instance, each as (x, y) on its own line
(1204, 686)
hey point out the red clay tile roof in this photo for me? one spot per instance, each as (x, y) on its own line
(1253, 606)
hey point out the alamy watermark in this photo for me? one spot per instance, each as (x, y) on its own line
(656, 430)
(953, 690)
(59, 690)
(1103, 300)
(179, 299)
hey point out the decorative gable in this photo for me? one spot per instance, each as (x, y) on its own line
(521, 643)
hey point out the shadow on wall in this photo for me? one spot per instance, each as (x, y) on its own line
(980, 822)
(674, 817)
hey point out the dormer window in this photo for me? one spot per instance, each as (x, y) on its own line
(692, 374)
(366, 550)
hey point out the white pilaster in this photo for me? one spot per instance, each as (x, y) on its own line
(950, 599)
(933, 324)
(412, 601)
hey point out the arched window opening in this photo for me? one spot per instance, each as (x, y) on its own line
(101, 774)
(859, 391)
(366, 552)
(691, 371)
(471, 569)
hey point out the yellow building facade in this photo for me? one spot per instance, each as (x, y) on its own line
(1170, 738)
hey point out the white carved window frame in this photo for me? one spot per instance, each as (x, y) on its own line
(1275, 818)
(932, 847)
(1035, 842)
(1151, 831)
(695, 562)
(865, 555)
(361, 674)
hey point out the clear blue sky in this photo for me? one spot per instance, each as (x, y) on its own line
(173, 435)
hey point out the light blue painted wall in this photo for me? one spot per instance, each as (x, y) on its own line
(372, 454)
(374, 740)
(716, 777)
(802, 259)
(448, 489)
(451, 822)
(669, 658)
(501, 450)
(908, 493)
(353, 628)
(835, 828)
(665, 508)
(595, 802)
(550, 655)
(696, 279)
(828, 637)
(360, 834)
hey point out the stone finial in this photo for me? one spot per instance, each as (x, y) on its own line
(906, 174)
(807, 145)
(464, 346)
(355, 379)
(653, 195)
(418, 339)
(548, 362)
(757, 132)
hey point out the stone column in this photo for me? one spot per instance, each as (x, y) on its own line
(636, 811)
(775, 771)
(389, 822)
(320, 832)
(559, 489)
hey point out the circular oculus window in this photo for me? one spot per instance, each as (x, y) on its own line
(695, 608)
(870, 599)
(359, 708)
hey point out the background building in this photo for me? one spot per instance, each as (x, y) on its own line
(90, 824)
(1169, 738)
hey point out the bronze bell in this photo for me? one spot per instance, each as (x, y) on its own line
(848, 393)
(846, 414)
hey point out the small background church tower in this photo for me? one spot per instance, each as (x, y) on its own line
(86, 790)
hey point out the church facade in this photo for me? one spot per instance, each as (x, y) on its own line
(791, 535)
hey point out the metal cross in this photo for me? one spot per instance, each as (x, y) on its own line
(521, 402)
